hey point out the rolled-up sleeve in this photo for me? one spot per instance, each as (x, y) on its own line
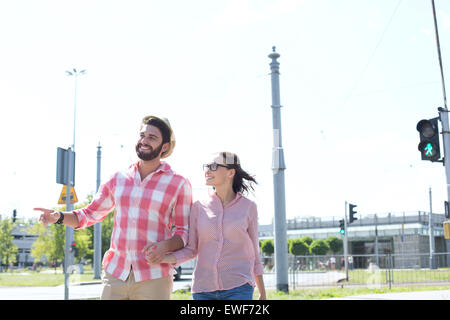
(182, 210)
(102, 204)
(258, 268)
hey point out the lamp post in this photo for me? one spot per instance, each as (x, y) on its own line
(75, 74)
(278, 167)
(68, 256)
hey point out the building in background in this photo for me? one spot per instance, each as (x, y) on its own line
(398, 234)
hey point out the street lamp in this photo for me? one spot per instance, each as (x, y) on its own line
(75, 74)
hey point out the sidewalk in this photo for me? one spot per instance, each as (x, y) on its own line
(414, 295)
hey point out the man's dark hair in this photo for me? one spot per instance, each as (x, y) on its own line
(165, 131)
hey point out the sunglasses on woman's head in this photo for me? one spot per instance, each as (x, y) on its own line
(214, 166)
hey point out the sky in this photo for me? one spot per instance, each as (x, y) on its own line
(355, 77)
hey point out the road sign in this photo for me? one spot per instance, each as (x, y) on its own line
(62, 166)
(73, 196)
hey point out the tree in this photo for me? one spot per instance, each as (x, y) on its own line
(307, 239)
(298, 247)
(49, 246)
(335, 244)
(267, 247)
(8, 250)
(319, 247)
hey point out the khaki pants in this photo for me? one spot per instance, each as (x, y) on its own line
(116, 289)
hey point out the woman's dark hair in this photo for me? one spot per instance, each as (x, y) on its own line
(242, 182)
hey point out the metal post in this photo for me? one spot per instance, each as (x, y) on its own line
(278, 167)
(443, 115)
(68, 256)
(346, 242)
(377, 258)
(431, 233)
(98, 226)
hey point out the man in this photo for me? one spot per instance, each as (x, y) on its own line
(152, 206)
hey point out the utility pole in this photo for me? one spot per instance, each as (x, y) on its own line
(431, 233)
(98, 226)
(68, 253)
(278, 167)
(68, 259)
(346, 242)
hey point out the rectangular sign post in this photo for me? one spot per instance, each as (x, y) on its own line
(65, 174)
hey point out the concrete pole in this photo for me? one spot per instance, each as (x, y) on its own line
(346, 242)
(98, 226)
(68, 256)
(431, 233)
(278, 167)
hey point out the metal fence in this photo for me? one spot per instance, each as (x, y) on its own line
(363, 270)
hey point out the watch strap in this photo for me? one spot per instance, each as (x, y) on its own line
(61, 218)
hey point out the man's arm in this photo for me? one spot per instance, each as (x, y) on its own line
(49, 216)
(156, 251)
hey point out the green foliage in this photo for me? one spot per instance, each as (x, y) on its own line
(298, 247)
(8, 250)
(319, 247)
(335, 244)
(267, 247)
(307, 239)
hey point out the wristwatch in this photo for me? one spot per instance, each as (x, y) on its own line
(61, 218)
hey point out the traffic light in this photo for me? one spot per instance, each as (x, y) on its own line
(429, 139)
(352, 212)
(72, 248)
(14, 215)
(342, 226)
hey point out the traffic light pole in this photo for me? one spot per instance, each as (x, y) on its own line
(346, 242)
(443, 116)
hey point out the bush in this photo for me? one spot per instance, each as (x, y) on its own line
(298, 247)
(319, 247)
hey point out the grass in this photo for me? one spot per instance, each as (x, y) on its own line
(47, 277)
(44, 278)
(320, 293)
(400, 276)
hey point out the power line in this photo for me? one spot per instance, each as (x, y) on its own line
(439, 53)
(371, 56)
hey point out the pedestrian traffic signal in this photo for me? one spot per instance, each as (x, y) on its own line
(352, 212)
(429, 139)
(342, 226)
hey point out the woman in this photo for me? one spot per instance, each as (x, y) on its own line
(223, 235)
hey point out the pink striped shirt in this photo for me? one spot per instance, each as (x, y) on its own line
(225, 242)
(145, 211)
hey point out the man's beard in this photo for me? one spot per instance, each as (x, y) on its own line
(147, 156)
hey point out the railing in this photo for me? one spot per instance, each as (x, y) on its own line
(363, 270)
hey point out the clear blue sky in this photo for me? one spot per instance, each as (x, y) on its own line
(356, 77)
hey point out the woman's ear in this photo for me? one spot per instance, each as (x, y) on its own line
(231, 173)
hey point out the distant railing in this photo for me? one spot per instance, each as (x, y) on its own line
(363, 270)
(366, 220)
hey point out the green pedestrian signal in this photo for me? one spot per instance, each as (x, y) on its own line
(342, 226)
(429, 139)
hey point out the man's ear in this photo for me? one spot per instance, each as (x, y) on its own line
(165, 147)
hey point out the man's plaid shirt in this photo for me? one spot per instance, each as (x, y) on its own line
(145, 211)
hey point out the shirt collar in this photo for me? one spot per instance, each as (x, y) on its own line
(164, 167)
(213, 196)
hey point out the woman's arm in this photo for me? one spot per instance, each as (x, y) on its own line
(261, 288)
(258, 268)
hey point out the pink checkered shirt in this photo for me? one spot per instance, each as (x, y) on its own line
(145, 211)
(225, 242)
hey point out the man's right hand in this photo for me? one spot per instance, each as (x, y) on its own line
(48, 216)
